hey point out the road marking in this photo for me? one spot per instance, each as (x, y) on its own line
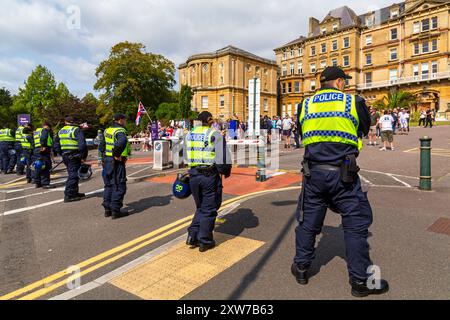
(390, 174)
(434, 152)
(48, 281)
(33, 195)
(366, 180)
(179, 271)
(398, 180)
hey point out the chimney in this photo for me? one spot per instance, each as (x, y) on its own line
(313, 25)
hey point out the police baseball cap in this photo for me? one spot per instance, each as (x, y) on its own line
(119, 116)
(205, 116)
(333, 73)
(69, 119)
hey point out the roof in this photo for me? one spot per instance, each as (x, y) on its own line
(346, 15)
(296, 41)
(226, 51)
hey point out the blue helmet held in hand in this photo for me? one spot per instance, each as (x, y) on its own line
(181, 188)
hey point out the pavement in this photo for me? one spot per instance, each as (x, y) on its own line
(52, 250)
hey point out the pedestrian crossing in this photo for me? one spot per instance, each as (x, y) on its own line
(434, 152)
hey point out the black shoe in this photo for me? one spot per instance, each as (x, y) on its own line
(360, 289)
(29, 180)
(206, 247)
(81, 195)
(193, 243)
(300, 274)
(38, 185)
(118, 214)
(49, 187)
(73, 199)
(108, 213)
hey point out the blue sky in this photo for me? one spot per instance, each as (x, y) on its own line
(48, 32)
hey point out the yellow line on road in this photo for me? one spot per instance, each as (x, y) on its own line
(170, 229)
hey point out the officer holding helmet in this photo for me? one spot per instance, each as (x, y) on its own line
(43, 144)
(71, 144)
(208, 159)
(332, 124)
(115, 149)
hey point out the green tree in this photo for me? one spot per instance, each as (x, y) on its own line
(185, 101)
(7, 118)
(396, 100)
(39, 92)
(130, 75)
(168, 111)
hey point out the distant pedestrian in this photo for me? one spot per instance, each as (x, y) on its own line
(387, 134)
(429, 119)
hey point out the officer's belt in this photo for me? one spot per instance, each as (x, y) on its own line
(325, 166)
(205, 169)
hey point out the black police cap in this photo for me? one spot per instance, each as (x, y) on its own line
(333, 73)
(119, 116)
(69, 119)
(205, 116)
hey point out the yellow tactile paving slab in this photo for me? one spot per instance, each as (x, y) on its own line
(177, 272)
(434, 152)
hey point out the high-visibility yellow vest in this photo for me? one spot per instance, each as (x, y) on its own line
(330, 116)
(37, 139)
(6, 136)
(110, 139)
(67, 138)
(200, 150)
(24, 141)
(19, 133)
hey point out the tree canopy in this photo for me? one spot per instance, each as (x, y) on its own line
(396, 100)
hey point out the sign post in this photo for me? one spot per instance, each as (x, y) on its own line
(23, 119)
(254, 107)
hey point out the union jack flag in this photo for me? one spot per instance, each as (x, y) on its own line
(141, 111)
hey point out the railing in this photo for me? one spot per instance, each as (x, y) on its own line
(405, 80)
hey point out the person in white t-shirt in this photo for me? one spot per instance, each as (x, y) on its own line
(403, 116)
(387, 134)
(287, 131)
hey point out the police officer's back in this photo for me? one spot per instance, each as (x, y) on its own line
(332, 124)
(207, 159)
(27, 145)
(43, 144)
(71, 145)
(115, 149)
(18, 148)
(7, 152)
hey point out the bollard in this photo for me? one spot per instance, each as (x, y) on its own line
(261, 173)
(425, 163)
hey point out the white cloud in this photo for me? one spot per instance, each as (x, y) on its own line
(175, 28)
(14, 71)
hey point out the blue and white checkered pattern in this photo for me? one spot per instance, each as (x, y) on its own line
(328, 133)
(348, 103)
(331, 114)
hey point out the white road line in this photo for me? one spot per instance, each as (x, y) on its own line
(402, 182)
(42, 205)
(390, 174)
(366, 180)
(131, 175)
(32, 195)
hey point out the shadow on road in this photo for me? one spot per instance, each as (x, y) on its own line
(284, 203)
(147, 203)
(237, 222)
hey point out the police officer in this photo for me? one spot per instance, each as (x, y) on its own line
(27, 144)
(18, 148)
(116, 149)
(71, 144)
(43, 144)
(207, 159)
(8, 154)
(332, 124)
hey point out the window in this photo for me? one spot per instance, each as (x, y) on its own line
(368, 40)
(323, 64)
(284, 70)
(368, 59)
(284, 55)
(394, 13)
(283, 108)
(300, 68)
(393, 75)
(425, 70)
(297, 86)
(346, 61)
(222, 101)
(368, 77)
(292, 53)
(324, 30)
(289, 87)
(425, 25)
(434, 68)
(370, 20)
(394, 34)
(434, 45)
(425, 47)
(334, 45)
(416, 71)
(300, 51)
(292, 68)
(434, 23)
(313, 50)
(393, 55)
(205, 67)
(313, 68)
(266, 105)
(346, 42)
(416, 48)
(416, 27)
(323, 47)
(335, 27)
(334, 62)
(284, 88)
(313, 85)
(204, 102)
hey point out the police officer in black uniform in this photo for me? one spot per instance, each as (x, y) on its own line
(43, 145)
(332, 124)
(208, 159)
(27, 150)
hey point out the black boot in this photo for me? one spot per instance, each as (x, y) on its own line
(360, 289)
(206, 247)
(78, 197)
(192, 242)
(300, 273)
(108, 213)
(49, 187)
(118, 214)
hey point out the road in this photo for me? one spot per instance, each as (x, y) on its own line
(48, 248)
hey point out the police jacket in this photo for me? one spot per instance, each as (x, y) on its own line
(330, 152)
(82, 146)
(120, 143)
(223, 155)
(45, 134)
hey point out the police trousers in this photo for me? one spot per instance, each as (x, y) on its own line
(42, 177)
(7, 155)
(73, 164)
(325, 189)
(19, 166)
(27, 154)
(115, 181)
(207, 193)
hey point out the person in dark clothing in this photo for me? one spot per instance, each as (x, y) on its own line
(43, 144)
(429, 119)
(27, 142)
(332, 126)
(7, 152)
